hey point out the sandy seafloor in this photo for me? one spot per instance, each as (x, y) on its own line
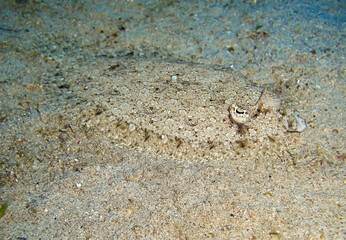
(61, 181)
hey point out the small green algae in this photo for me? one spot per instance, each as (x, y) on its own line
(3, 209)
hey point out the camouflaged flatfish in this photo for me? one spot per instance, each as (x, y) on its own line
(181, 111)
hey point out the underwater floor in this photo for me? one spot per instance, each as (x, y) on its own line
(172, 119)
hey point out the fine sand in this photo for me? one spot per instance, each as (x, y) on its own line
(115, 119)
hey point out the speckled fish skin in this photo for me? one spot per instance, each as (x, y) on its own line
(180, 111)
